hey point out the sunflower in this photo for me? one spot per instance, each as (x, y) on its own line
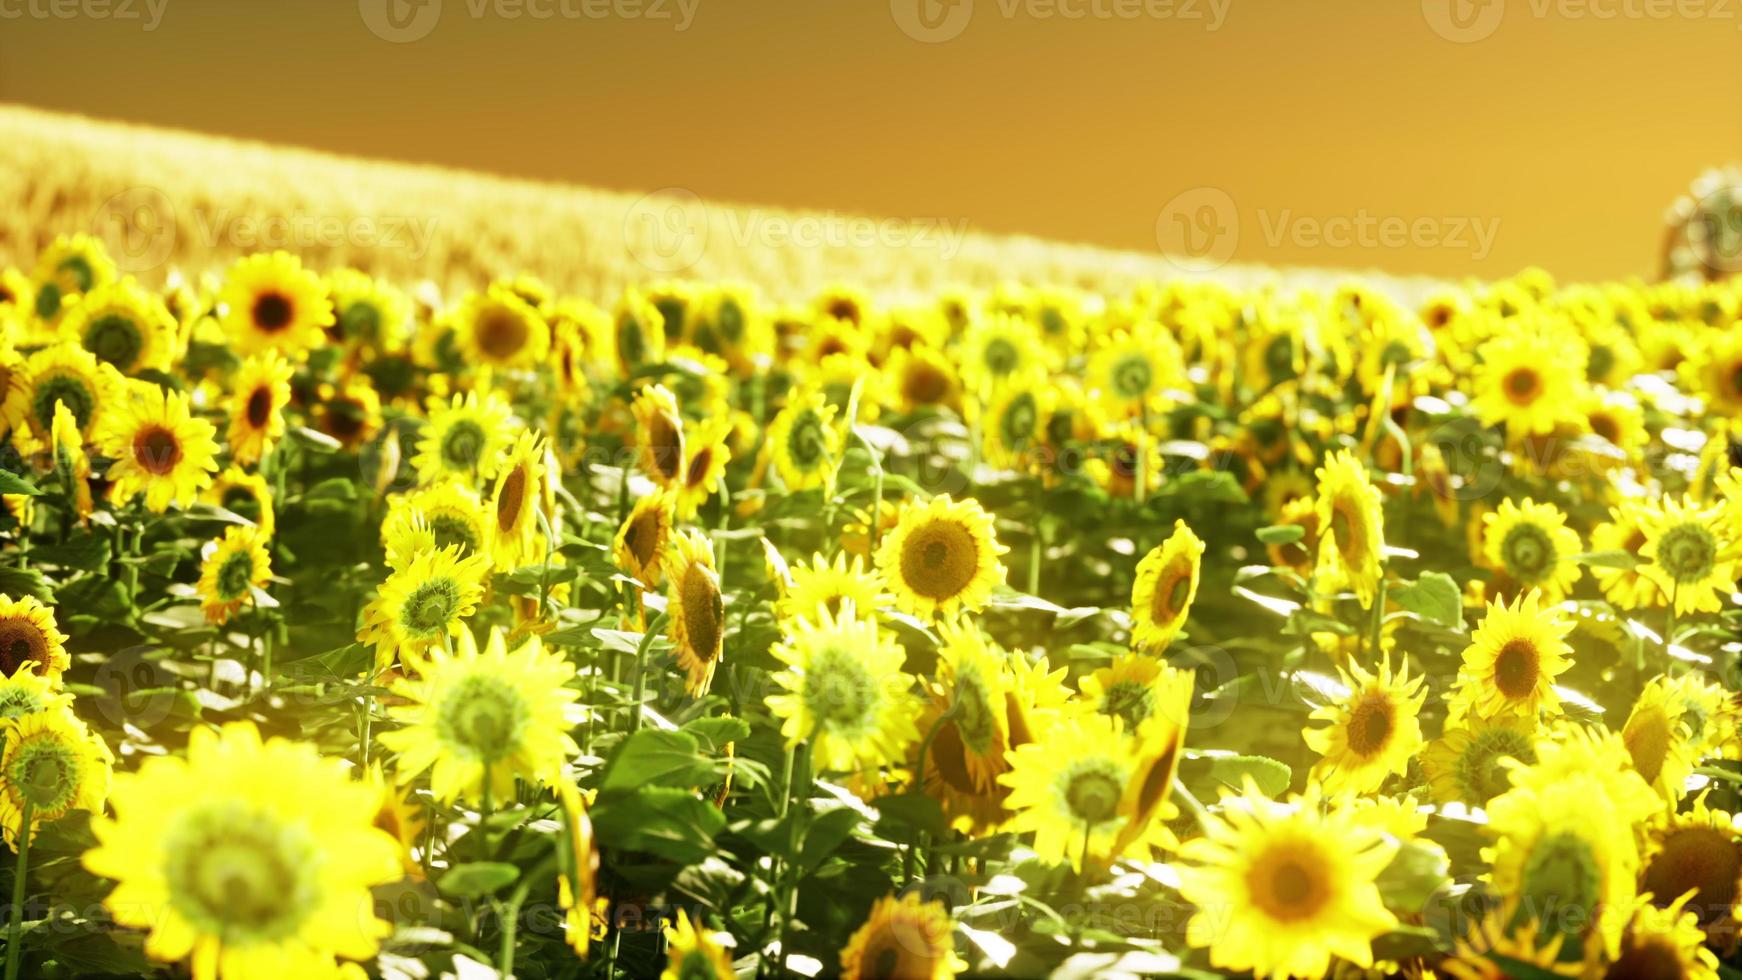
(257, 403)
(968, 750)
(804, 442)
(922, 377)
(14, 384)
(1657, 942)
(844, 692)
(1658, 739)
(695, 953)
(480, 719)
(1464, 765)
(578, 871)
(71, 462)
(123, 325)
(1502, 933)
(352, 414)
(1616, 418)
(1374, 732)
(231, 567)
(1068, 789)
(638, 332)
(514, 500)
(1129, 690)
(1282, 888)
(640, 545)
(367, 313)
(30, 635)
(1133, 367)
(1351, 531)
(1688, 554)
(903, 937)
(71, 376)
(253, 859)
(704, 464)
(247, 495)
(1696, 853)
(272, 303)
(399, 815)
(422, 604)
(1511, 663)
(659, 435)
(698, 613)
(1014, 423)
(27, 692)
(1527, 380)
(1626, 587)
(1713, 715)
(465, 438)
(1715, 371)
(819, 584)
(69, 267)
(1167, 582)
(1298, 556)
(439, 516)
(1159, 741)
(998, 348)
(942, 557)
(1532, 545)
(160, 449)
(52, 764)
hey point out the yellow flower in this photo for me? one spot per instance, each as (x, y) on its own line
(465, 440)
(250, 860)
(844, 692)
(53, 764)
(352, 414)
(1465, 765)
(257, 402)
(1068, 789)
(160, 449)
(640, 545)
(514, 500)
(478, 720)
(246, 495)
(29, 635)
(1627, 588)
(820, 584)
(941, 558)
(498, 329)
(1374, 732)
(1656, 941)
(1532, 545)
(70, 266)
(1129, 371)
(124, 325)
(698, 613)
(1529, 380)
(1282, 888)
(440, 516)
(1696, 852)
(695, 953)
(659, 435)
(367, 312)
(1167, 582)
(804, 442)
(1013, 425)
(400, 815)
(422, 604)
(72, 376)
(272, 303)
(1715, 371)
(1502, 932)
(1159, 740)
(704, 465)
(1689, 554)
(232, 567)
(1511, 663)
(903, 937)
(578, 871)
(638, 332)
(921, 376)
(998, 348)
(1658, 739)
(1351, 527)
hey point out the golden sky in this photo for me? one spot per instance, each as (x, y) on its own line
(1447, 137)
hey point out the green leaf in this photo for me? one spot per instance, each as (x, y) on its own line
(716, 733)
(1608, 559)
(17, 582)
(479, 878)
(11, 482)
(86, 553)
(825, 834)
(1435, 598)
(657, 758)
(1281, 533)
(1412, 877)
(671, 823)
(1271, 776)
(916, 810)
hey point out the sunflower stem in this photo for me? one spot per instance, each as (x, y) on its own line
(20, 872)
(789, 904)
(1376, 634)
(647, 636)
(1193, 805)
(509, 914)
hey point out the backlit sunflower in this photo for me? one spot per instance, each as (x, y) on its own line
(1656, 942)
(160, 449)
(707, 453)
(1713, 715)
(1532, 545)
(513, 501)
(29, 634)
(367, 313)
(1512, 661)
(440, 516)
(1351, 527)
(1013, 426)
(499, 329)
(1527, 381)
(69, 267)
(1132, 367)
(1626, 587)
(1068, 789)
(1282, 888)
(250, 859)
(1696, 852)
(698, 613)
(1373, 733)
(466, 438)
(71, 462)
(638, 330)
(14, 383)
(272, 303)
(1616, 418)
(27, 692)
(694, 953)
(231, 567)
(659, 435)
(1658, 739)
(244, 494)
(71, 376)
(1688, 554)
(922, 377)
(1715, 371)
(1159, 741)
(422, 604)
(844, 692)
(941, 558)
(351, 414)
(998, 348)
(903, 937)
(400, 815)
(1298, 556)
(478, 720)
(1464, 764)
(53, 764)
(1130, 689)
(1167, 582)
(257, 402)
(804, 442)
(640, 545)
(123, 325)
(578, 871)
(830, 586)
(1502, 932)
(970, 688)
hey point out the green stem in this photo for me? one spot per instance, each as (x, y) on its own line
(509, 915)
(641, 672)
(1376, 636)
(20, 873)
(789, 907)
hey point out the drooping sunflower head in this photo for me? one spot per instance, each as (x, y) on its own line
(1532, 545)
(942, 557)
(260, 393)
(1167, 582)
(696, 606)
(845, 692)
(29, 635)
(641, 541)
(272, 303)
(52, 764)
(233, 566)
(1374, 731)
(903, 937)
(122, 325)
(515, 500)
(1465, 764)
(1351, 534)
(161, 449)
(659, 434)
(804, 441)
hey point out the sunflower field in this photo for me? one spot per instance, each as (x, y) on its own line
(352, 630)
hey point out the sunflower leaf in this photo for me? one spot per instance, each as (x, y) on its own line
(1435, 597)
(1281, 533)
(13, 483)
(478, 878)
